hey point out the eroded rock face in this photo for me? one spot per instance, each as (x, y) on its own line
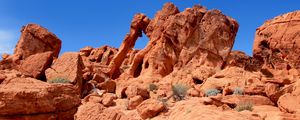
(277, 42)
(101, 55)
(35, 65)
(97, 60)
(28, 96)
(69, 66)
(36, 39)
(233, 78)
(176, 38)
(237, 59)
(240, 59)
(276, 46)
(138, 25)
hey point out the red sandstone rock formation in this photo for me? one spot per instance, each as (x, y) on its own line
(69, 67)
(36, 39)
(150, 108)
(138, 25)
(177, 38)
(35, 65)
(30, 98)
(97, 61)
(277, 42)
(189, 49)
(289, 101)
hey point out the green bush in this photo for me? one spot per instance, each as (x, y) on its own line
(153, 87)
(179, 91)
(59, 80)
(212, 92)
(244, 106)
(238, 91)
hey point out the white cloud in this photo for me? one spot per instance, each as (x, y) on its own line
(8, 39)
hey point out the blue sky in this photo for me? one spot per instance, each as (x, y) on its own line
(80, 23)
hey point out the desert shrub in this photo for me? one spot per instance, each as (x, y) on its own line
(59, 80)
(212, 92)
(179, 91)
(244, 106)
(153, 87)
(238, 91)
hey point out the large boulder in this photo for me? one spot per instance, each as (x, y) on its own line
(36, 39)
(150, 108)
(108, 99)
(134, 102)
(96, 111)
(290, 101)
(133, 91)
(108, 85)
(68, 66)
(28, 97)
(89, 111)
(277, 42)
(274, 92)
(35, 65)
